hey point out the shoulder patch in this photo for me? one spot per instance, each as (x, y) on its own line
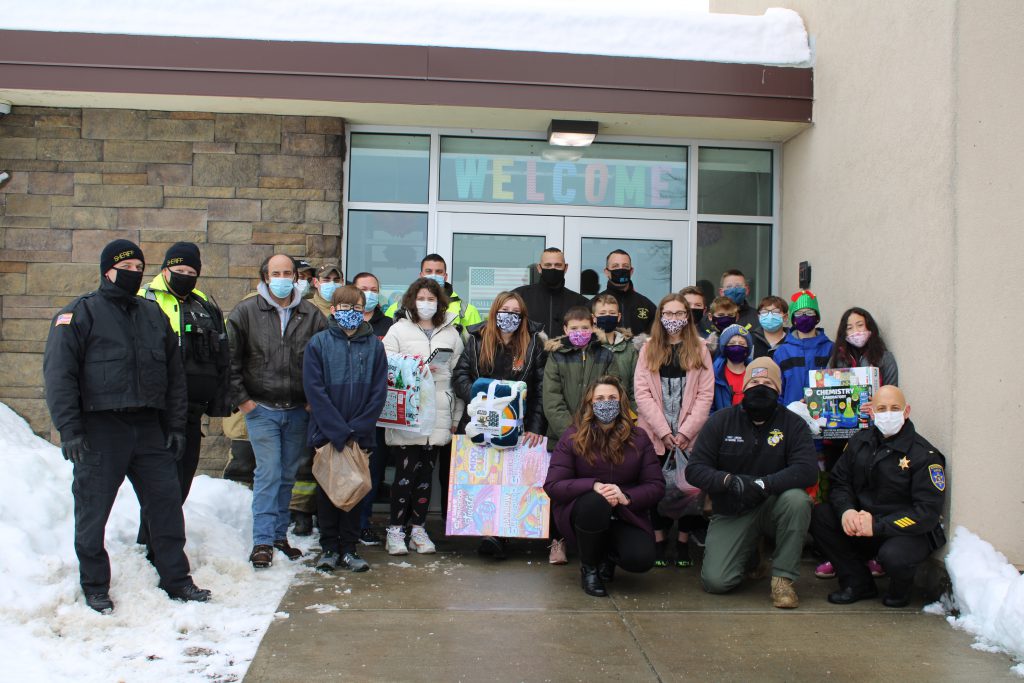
(938, 476)
(63, 319)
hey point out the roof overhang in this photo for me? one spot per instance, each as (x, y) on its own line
(406, 85)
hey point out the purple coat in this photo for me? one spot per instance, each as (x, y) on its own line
(639, 476)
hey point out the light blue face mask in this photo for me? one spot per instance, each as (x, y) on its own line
(371, 300)
(281, 287)
(327, 290)
(770, 321)
(439, 279)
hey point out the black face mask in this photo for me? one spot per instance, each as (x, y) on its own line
(697, 314)
(619, 276)
(552, 277)
(760, 401)
(608, 323)
(182, 285)
(128, 281)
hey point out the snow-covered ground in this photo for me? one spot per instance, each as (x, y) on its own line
(666, 29)
(988, 597)
(46, 631)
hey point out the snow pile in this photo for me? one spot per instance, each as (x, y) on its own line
(989, 594)
(650, 28)
(46, 630)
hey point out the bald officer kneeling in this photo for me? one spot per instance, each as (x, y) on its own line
(885, 501)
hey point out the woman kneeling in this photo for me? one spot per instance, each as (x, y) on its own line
(603, 481)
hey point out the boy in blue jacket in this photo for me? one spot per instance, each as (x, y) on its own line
(806, 347)
(735, 351)
(344, 374)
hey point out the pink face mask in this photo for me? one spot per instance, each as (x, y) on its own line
(580, 338)
(858, 339)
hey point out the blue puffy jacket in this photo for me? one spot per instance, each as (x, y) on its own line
(723, 392)
(795, 357)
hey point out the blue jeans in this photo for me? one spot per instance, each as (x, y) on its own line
(278, 440)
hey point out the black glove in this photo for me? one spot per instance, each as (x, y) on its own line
(735, 487)
(74, 449)
(176, 445)
(753, 493)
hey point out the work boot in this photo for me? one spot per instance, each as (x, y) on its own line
(283, 545)
(100, 602)
(189, 593)
(591, 581)
(262, 556)
(852, 594)
(303, 523)
(783, 595)
(898, 594)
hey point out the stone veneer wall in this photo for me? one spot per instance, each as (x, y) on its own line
(242, 186)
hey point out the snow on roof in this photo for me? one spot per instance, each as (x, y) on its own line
(665, 29)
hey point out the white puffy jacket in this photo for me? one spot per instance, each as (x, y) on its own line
(406, 336)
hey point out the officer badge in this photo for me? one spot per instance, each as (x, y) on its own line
(642, 313)
(774, 437)
(904, 463)
(938, 476)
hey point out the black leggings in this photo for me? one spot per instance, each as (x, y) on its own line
(410, 493)
(600, 537)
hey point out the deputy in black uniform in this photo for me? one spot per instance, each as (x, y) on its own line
(115, 387)
(198, 322)
(885, 501)
(636, 309)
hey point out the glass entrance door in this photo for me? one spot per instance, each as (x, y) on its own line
(492, 253)
(658, 249)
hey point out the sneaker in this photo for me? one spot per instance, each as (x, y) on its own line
(783, 595)
(825, 570)
(395, 544)
(369, 537)
(660, 551)
(189, 593)
(557, 554)
(303, 523)
(683, 560)
(876, 569)
(354, 562)
(286, 548)
(328, 561)
(420, 542)
(100, 602)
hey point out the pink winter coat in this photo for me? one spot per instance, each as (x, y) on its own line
(697, 397)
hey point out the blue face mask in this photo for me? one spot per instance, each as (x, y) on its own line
(281, 287)
(371, 300)
(737, 294)
(439, 279)
(770, 321)
(350, 319)
(327, 290)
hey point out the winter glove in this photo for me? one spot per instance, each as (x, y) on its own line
(753, 494)
(176, 445)
(74, 449)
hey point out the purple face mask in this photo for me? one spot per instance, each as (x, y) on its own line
(805, 323)
(736, 353)
(580, 338)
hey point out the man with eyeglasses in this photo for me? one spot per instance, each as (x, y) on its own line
(771, 315)
(548, 299)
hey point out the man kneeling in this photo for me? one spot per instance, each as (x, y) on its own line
(885, 501)
(754, 460)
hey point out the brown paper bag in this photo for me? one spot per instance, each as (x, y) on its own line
(344, 475)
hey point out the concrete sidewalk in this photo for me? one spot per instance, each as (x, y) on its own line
(455, 616)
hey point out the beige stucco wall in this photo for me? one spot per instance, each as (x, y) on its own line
(902, 197)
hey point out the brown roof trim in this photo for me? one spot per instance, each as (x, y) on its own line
(401, 74)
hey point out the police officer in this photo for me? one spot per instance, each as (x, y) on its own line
(885, 501)
(198, 322)
(636, 309)
(754, 460)
(115, 387)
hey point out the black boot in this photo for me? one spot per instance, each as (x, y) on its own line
(492, 547)
(606, 570)
(189, 593)
(898, 594)
(303, 523)
(100, 602)
(591, 581)
(852, 594)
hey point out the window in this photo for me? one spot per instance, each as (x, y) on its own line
(722, 246)
(388, 244)
(389, 168)
(532, 172)
(735, 182)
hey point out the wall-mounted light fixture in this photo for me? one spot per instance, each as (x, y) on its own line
(5, 177)
(562, 133)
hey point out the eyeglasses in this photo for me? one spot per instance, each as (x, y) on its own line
(346, 307)
(674, 315)
(766, 311)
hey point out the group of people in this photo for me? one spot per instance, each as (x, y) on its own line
(618, 386)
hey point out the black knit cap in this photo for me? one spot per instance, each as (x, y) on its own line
(117, 251)
(183, 254)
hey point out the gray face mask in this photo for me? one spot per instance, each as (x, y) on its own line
(607, 411)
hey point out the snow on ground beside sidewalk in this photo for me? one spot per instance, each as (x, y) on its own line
(46, 630)
(988, 592)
